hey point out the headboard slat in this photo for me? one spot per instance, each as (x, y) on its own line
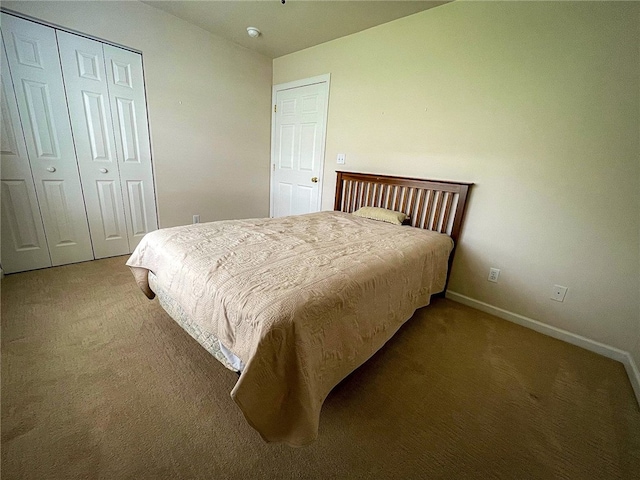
(414, 192)
(428, 209)
(405, 198)
(347, 198)
(420, 212)
(436, 212)
(396, 198)
(447, 210)
(370, 193)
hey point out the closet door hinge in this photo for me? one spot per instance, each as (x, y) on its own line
(275, 108)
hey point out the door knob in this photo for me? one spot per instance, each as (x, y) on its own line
(51, 169)
(314, 179)
(104, 170)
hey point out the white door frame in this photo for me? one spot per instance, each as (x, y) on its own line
(326, 78)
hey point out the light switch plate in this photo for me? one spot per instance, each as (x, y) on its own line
(341, 158)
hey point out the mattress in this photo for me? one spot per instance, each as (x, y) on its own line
(300, 301)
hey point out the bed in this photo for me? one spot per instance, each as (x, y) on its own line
(295, 304)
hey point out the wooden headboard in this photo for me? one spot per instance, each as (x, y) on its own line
(430, 204)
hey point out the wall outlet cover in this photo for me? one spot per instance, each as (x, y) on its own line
(558, 293)
(494, 273)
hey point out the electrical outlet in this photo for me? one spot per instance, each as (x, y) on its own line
(341, 158)
(494, 273)
(196, 219)
(558, 293)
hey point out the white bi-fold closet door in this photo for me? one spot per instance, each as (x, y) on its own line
(80, 109)
(34, 68)
(85, 84)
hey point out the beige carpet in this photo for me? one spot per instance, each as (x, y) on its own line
(98, 382)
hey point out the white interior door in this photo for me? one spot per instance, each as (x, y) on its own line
(298, 137)
(24, 246)
(129, 112)
(85, 82)
(37, 77)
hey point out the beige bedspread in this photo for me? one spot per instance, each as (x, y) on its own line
(302, 301)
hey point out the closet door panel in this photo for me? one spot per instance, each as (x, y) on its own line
(23, 240)
(129, 113)
(90, 112)
(35, 68)
(24, 244)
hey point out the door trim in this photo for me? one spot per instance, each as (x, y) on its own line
(326, 78)
(55, 26)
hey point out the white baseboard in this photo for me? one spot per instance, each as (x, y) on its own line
(634, 375)
(600, 348)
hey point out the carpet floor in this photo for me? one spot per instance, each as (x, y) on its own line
(98, 382)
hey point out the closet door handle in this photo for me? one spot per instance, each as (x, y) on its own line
(51, 169)
(104, 170)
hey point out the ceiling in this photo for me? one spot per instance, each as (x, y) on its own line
(296, 25)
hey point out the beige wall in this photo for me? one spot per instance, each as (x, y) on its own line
(209, 107)
(535, 102)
